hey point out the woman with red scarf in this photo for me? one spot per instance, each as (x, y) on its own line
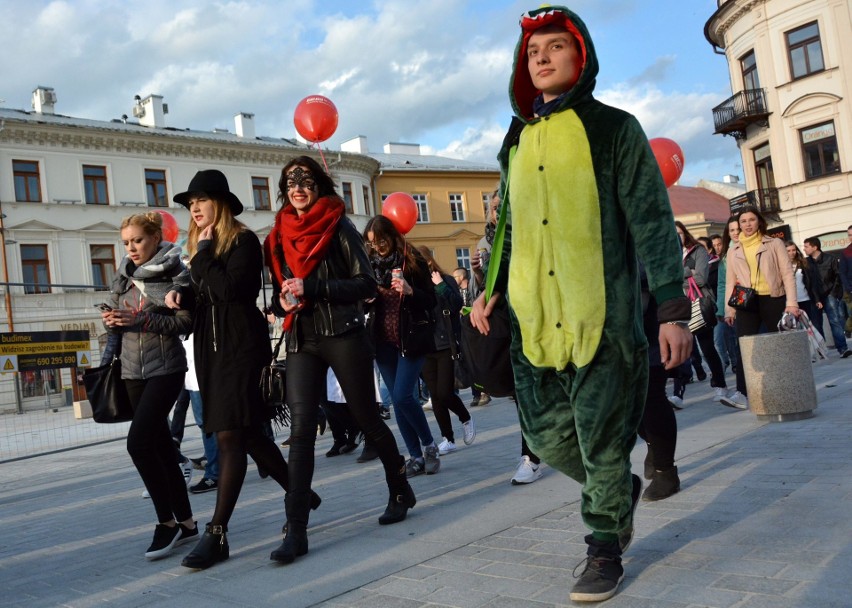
(321, 276)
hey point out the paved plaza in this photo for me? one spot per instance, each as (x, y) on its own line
(763, 520)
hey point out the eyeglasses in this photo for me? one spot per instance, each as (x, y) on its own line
(379, 244)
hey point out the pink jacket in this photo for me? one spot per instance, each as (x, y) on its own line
(774, 268)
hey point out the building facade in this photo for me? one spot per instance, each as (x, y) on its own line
(67, 183)
(790, 63)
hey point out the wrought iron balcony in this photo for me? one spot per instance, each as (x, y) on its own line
(765, 199)
(732, 116)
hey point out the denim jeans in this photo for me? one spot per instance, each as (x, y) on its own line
(727, 346)
(211, 449)
(401, 375)
(836, 311)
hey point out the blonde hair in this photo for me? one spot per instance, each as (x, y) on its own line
(226, 229)
(151, 222)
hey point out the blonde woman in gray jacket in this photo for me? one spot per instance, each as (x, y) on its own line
(758, 261)
(153, 365)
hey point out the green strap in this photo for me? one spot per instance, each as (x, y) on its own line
(499, 235)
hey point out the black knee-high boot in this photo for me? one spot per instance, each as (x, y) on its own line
(401, 495)
(295, 543)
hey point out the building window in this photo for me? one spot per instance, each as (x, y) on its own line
(804, 50)
(260, 193)
(35, 269)
(819, 150)
(95, 185)
(347, 197)
(486, 201)
(463, 257)
(103, 265)
(155, 187)
(748, 64)
(368, 208)
(422, 208)
(763, 168)
(27, 181)
(457, 207)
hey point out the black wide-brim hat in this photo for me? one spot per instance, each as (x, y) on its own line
(213, 183)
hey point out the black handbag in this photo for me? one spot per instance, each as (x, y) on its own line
(107, 393)
(273, 388)
(460, 371)
(487, 357)
(745, 298)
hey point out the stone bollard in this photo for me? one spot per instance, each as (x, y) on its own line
(779, 375)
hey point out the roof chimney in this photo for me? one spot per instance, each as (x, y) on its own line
(151, 111)
(731, 179)
(400, 148)
(358, 145)
(43, 100)
(244, 123)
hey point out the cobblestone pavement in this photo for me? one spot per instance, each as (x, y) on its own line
(764, 519)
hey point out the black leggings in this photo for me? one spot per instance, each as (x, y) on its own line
(659, 426)
(708, 348)
(769, 312)
(150, 445)
(349, 358)
(440, 376)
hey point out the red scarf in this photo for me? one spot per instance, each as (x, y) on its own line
(303, 239)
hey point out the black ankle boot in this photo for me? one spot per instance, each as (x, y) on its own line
(664, 484)
(212, 548)
(398, 506)
(295, 544)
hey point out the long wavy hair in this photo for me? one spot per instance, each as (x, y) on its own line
(226, 229)
(801, 261)
(383, 228)
(726, 235)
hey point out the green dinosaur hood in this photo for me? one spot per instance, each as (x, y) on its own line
(521, 89)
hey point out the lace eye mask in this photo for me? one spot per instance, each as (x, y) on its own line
(298, 177)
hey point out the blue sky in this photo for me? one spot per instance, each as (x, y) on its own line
(433, 72)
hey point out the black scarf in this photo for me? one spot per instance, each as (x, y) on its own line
(383, 265)
(490, 230)
(542, 108)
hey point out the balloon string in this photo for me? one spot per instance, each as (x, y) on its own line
(322, 156)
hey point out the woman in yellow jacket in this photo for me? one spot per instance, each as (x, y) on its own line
(758, 261)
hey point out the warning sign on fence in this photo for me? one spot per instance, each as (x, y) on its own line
(36, 350)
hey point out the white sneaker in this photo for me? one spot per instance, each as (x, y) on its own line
(469, 432)
(186, 470)
(721, 393)
(527, 472)
(145, 493)
(676, 402)
(445, 447)
(428, 404)
(737, 400)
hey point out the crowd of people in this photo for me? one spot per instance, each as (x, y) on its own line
(590, 369)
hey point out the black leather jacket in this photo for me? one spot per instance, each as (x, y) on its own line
(337, 287)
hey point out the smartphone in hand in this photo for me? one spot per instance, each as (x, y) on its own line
(103, 307)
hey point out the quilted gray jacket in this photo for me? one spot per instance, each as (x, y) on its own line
(153, 345)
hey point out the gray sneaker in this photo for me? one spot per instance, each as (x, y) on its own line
(432, 461)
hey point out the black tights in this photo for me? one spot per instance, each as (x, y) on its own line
(306, 376)
(234, 446)
(659, 426)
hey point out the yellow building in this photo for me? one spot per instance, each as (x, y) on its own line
(451, 197)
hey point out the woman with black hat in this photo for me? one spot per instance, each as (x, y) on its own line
(321, 275)
(231, 346)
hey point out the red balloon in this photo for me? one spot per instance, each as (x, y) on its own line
(401, 210)
(170, 226)
(315, 118)
(670, 159)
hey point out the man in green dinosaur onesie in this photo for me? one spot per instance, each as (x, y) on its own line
(584, 199)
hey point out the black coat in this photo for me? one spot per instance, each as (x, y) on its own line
(447, 309)
(231, 334)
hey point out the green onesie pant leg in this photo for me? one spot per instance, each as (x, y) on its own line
(583, 422)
